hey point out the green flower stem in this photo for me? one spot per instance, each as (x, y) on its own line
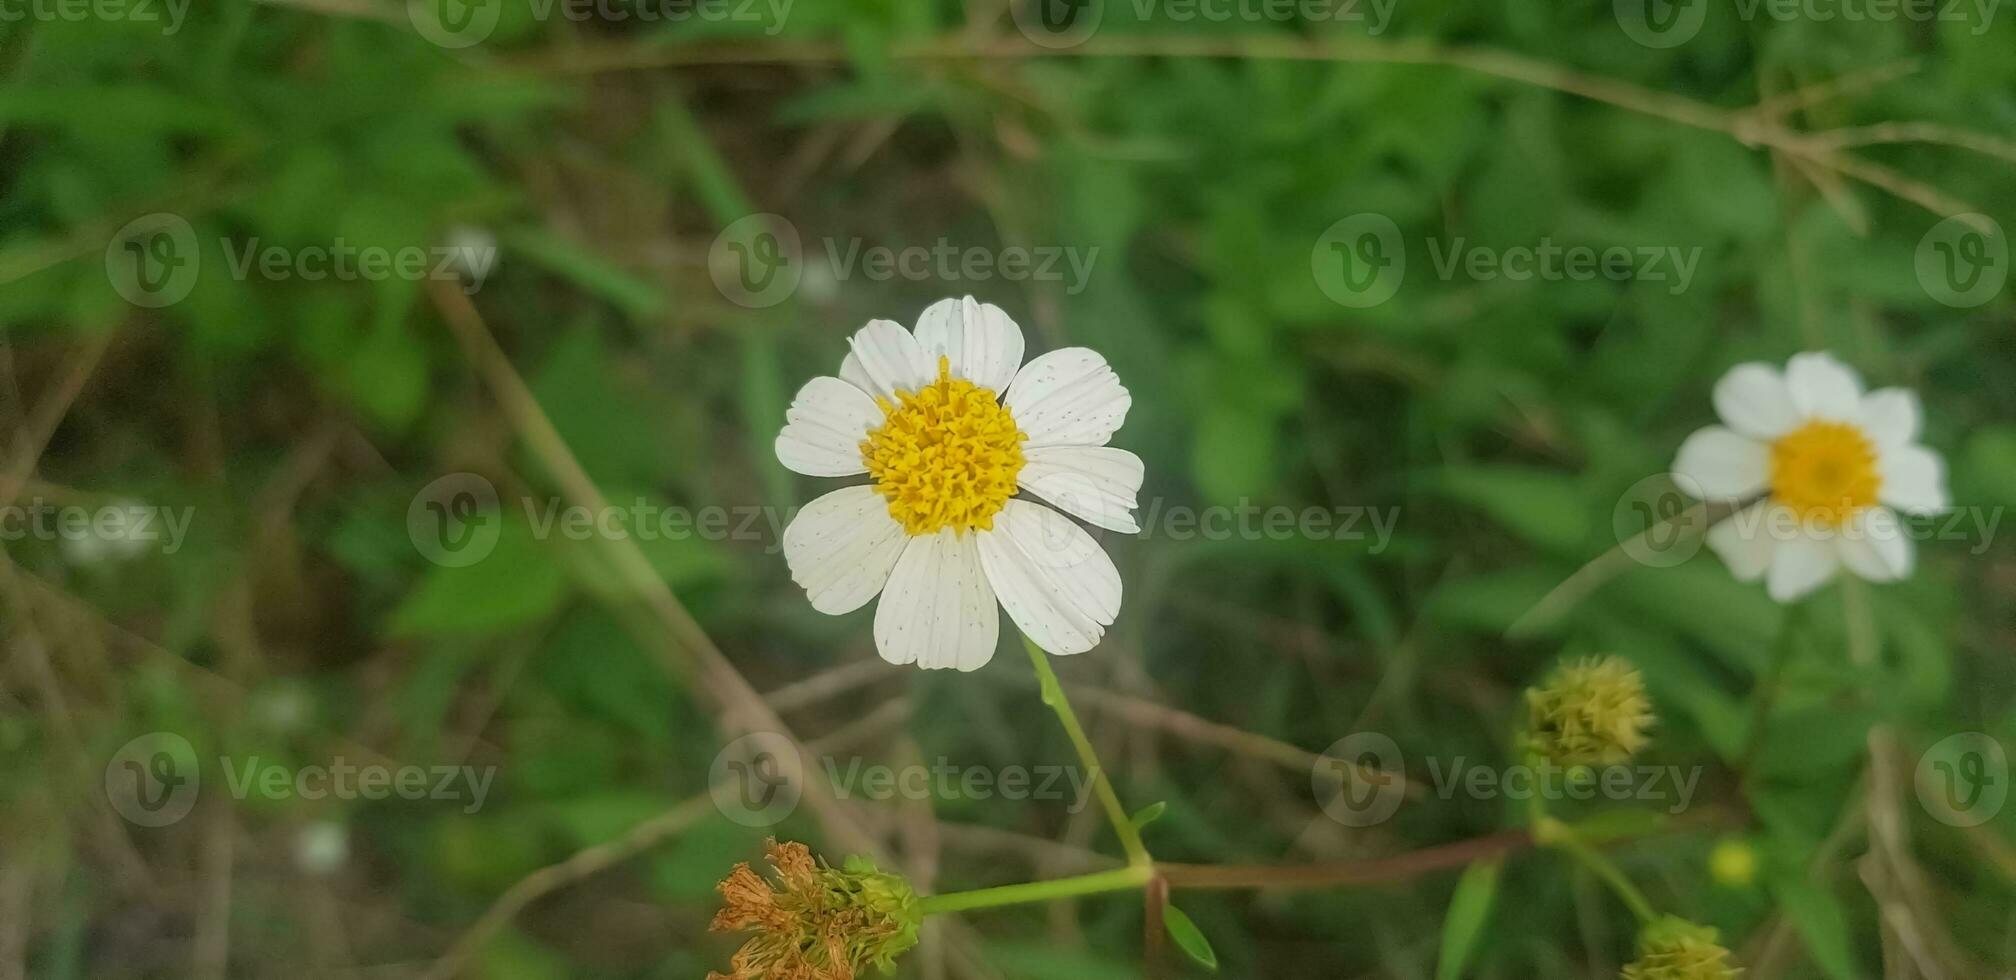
(1560, 836)
(1120, 879)
(1053, 695)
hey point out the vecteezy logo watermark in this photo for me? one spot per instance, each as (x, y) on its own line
(759, 261)
(454, 23)
(1361, 261)
(119, 528)
(1057, 24)
(1661, 23)
(1963, 261)
(463, 23)
(1360, 779)
(1657, 521)
(1669, 23)
(167, 13)
(1670, 785)
(152, 261)
(152, 780)
(1964, 780)
(757, 780)
(455, 521)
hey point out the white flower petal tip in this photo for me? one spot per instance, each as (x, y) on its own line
(1798, 567)
(884, 359)
(938, 609)
(1719, 464)
(841, 548)
(1057, 584)
(1754, 400)
(1068, 397)
(1823, 388)
(1914, 480)
(1096, 484)
(980, 342)
(824, 428)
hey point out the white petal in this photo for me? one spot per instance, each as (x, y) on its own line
(1801, 564)
(1744, 542)
(938, 610)
(1096, 484)
(1914, 479)
(840, 548)
(824, 429)
(1824, 388)
(1754, 400)
(1890, 416)
(1068, 397)
(1057, 584)
(1875, 546)
(885, 360)
(1717, 464)
(982, 343)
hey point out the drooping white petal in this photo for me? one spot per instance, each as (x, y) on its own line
(1068, 397)
(1823, 387)
(1744, 542)
(1801, 564)
(1754, 400)
(1875, 546)
(841, 547)
(938, 610)
(824, 428)
(1717, 464)
(1890, 416)
(1913, 478)
(885, 359)
(1057, 584)
(1096, 484)
(983, 345)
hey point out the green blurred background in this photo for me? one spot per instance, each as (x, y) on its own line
(586, 180)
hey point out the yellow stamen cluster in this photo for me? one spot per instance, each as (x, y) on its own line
(1591, 713)
(1675, 949)
(814, 922)
(945, 456)
(1825, 472)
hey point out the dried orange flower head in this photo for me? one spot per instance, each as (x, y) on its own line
(1590, 713)
(812, 921)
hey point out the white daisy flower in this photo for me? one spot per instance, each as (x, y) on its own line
(957, 440)
(1833, 465)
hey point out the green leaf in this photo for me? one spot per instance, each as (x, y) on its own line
(1469, 909)
(1189, 937)
(515, 584)
(1148, 814)
(1546, 509)
(1821, 922)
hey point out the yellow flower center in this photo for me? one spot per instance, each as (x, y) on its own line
(1825, 472)
(945, 455)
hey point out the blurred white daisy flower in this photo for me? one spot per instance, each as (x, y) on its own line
(1833, 466)
(957, 433)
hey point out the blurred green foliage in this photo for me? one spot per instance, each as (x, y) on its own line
(1505, 422)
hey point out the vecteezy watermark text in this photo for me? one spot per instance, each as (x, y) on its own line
(138, 525)
(168, 13)
(155, 260)
(758, 779)
(760, 260)
(154, 780)
(1361, 261)
(456, 520)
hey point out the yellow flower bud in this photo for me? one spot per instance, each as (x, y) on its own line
(1590, 713)
(1733, 863)
(1675, 949)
